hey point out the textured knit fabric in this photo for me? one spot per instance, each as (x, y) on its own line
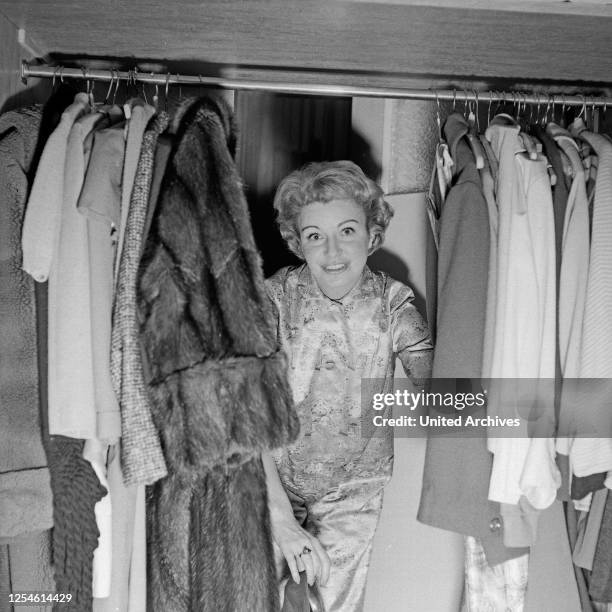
(76, 490)
(594, 454)
(25, 492)
(142, 460)
(457, 469)
(139, 118)
(217, 383)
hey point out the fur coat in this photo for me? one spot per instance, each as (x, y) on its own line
(217, 380)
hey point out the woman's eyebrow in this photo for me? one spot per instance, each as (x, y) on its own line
(348, 221)
(309, 226)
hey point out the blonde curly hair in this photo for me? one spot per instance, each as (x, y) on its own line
(323, 182)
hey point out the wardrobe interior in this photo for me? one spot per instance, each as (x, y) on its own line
(544, 47)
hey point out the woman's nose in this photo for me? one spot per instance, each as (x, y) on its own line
(332, 247)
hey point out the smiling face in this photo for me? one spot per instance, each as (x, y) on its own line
(335, 243)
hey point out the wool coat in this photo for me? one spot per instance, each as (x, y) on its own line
(25, 498)
(216, 378)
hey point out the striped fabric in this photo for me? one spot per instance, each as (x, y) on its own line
(142, 460)
(592, 455)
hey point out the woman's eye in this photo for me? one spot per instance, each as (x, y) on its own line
(347, 231)
(313, 236)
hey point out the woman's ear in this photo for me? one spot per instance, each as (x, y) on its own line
(296, 247)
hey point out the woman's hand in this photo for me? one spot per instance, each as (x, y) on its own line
(302, 550)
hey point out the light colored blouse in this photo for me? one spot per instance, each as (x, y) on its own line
(331, 346)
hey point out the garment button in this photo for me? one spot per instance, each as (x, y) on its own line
(495, 524)
(329, 364)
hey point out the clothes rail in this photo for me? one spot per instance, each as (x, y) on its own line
(456, 95)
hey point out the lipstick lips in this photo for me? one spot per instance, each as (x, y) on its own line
(335, 268)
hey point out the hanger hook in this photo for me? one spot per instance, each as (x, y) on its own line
(166, 93)
(583, 109)
(501, 99)
(156, 94)
(563, 108)
(110, 85)
(438, 120)
(476, 113)
(54, 75)
(116, 80)
(61, 74)
(454, 99)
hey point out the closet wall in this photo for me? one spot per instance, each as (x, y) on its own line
(12, 92)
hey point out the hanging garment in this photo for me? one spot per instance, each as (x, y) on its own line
(590, 455)
(574, 260)
(551, 582)
(588, 531)
(55, 247)
(488, 177)
(99, 203)
(25, 565)
(43, 213)
(560, 190)
(142, 461)
(456, 472)
(524, 343)
(76, 490)
(217, 380)
(139, 117)
(600, 587)
(25, 492)
(128, 570)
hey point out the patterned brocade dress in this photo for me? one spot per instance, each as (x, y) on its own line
(335, 471)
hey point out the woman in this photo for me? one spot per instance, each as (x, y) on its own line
(339, 322)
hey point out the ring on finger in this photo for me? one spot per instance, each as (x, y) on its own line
(305, 551)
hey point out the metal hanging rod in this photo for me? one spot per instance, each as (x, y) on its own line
(461, 95)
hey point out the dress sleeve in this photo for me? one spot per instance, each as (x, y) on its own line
(411, 338)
